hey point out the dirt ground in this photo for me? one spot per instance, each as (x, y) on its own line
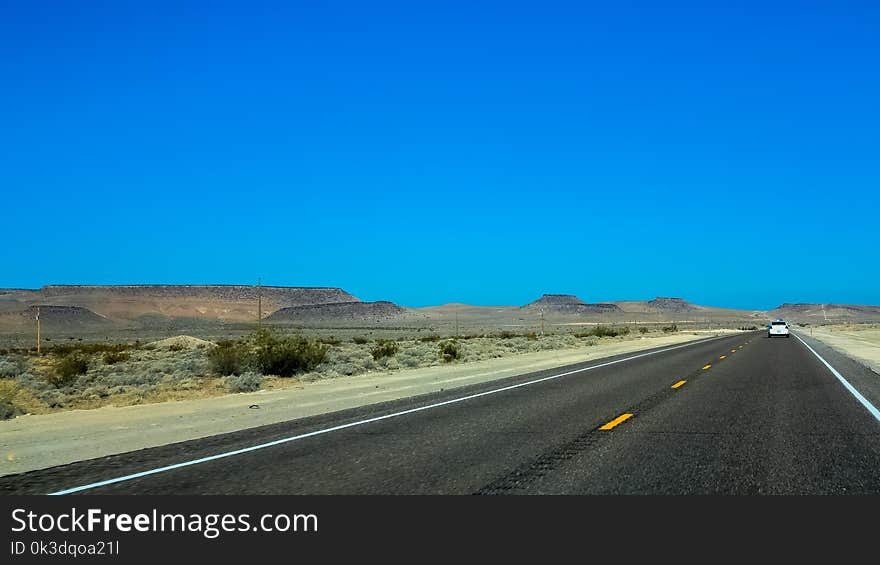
(861, 342)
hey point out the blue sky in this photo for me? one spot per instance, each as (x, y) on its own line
(431, 152)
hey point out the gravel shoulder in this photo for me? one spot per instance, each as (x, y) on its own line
(40, 441)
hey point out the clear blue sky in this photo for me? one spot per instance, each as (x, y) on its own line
(430, 152)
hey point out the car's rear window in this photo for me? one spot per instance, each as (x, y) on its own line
(778, 323)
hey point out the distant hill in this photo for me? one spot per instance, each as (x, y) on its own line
(664, 304)
(55, 317)
(825, 312)
(164, 307)
(205, 302)
(338, 312)
(569, 304)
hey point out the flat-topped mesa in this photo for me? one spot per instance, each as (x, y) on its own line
(570, 304)
(798, 307)
(339, 311)
(556, 300)
(668, 304)
(284, 295)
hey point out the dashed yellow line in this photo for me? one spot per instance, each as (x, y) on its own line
(707, 367)
(733, 350)
(723, 357)
(620, 419)
(678, 384)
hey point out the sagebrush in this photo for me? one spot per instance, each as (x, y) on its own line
(384, 348)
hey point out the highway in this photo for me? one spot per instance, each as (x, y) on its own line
(734, 414)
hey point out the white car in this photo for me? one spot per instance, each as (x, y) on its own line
(778, 327)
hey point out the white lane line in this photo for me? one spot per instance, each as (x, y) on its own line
(867, 404)
(360, 422)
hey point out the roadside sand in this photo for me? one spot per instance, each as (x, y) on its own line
(859, 343)
(40, 441)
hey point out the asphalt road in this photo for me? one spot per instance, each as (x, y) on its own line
(749, 415)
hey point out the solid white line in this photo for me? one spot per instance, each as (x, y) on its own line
(871, 408)
(360, 422)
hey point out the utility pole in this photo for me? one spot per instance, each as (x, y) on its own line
(38, 330)
(456, 320)
(259, 302)
(542, 321)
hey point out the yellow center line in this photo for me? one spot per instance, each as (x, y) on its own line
(733, 350)
(706, 367)
(616, 421)
(678, 384)
(723, 357)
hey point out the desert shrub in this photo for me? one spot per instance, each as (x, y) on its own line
(11, 368)
(409, 361)
(384, 348)
(449, 351)
(227, 358)
(286, 356)
(191, 364)
(33, 382)
(349, 369)
(390, 363)
(748, 328)
(604, 331)
(346, 361)
(68, 368)
(132, 378)
(466, 336)
(360, 340)
(176, 347)
(10, 403)
(62, 349)
(532, 336)
(247, 382)
(113, 357)
(96, 392)
(329, 340)
(507, 334)
(53, 398)
(429, 338)
(643, 330)
(670, 329)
